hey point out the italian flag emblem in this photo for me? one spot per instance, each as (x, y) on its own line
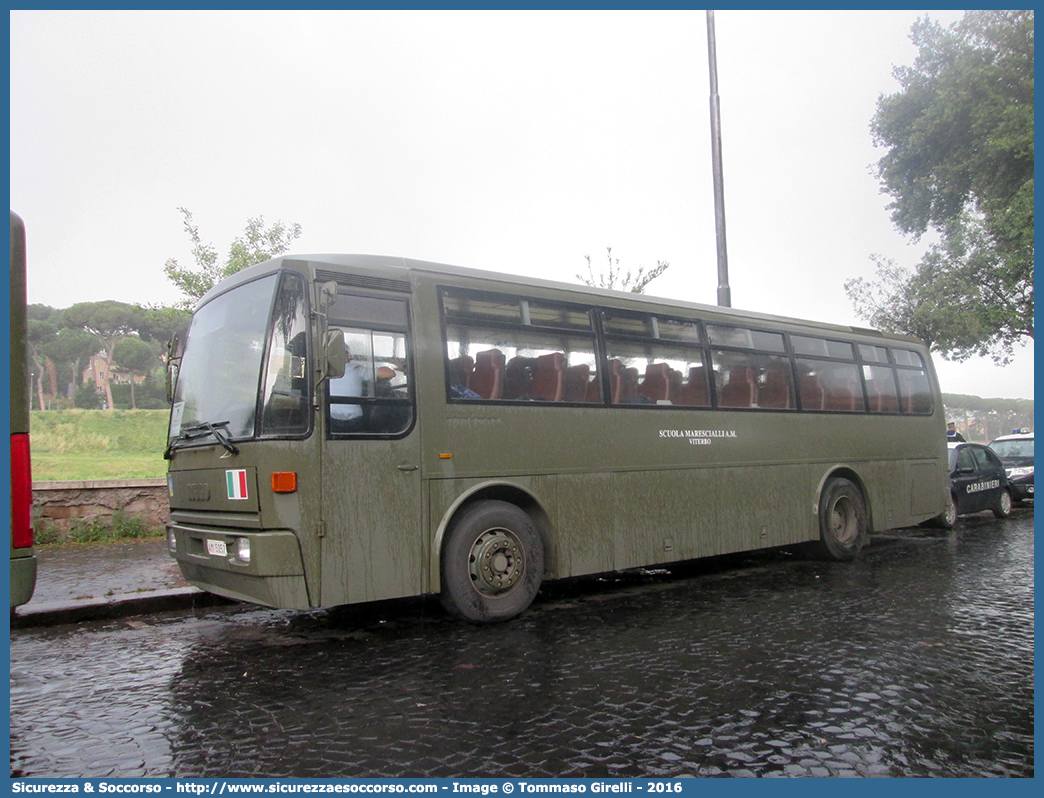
(236, 482)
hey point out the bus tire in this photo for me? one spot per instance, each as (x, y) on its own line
(492, 563)
(1003, 507)
(843, 527)
(948, 519)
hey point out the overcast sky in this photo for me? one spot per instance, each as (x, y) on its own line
(511, 141)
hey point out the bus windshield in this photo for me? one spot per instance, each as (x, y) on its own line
(246, 341)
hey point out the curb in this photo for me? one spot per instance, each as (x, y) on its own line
(53, 613)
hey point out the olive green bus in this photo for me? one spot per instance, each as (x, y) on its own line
(353, 428)
(23, 559)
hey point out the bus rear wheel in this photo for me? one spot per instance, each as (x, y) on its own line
(492, 563)
(949, 518)
(843, 527)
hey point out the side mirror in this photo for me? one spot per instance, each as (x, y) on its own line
(328, 294)
(172, 381)
(333, 354)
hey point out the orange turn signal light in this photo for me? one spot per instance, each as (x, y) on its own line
(284, 481)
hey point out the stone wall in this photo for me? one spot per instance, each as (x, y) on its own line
(57, 506)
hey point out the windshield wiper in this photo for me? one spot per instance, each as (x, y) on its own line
(201, 431)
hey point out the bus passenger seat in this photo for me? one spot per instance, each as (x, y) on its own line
(656, 385)
(813, 397)
(518, 378)
(881, 401)
(576, 385)
(740, 390)
(776, 390)
(842, 396)
(486, 379)
(547, 377)
(694, 392)
(460, 370)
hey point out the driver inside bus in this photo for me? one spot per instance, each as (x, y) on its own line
(352, 384)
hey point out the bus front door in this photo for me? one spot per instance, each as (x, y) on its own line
(371, 544)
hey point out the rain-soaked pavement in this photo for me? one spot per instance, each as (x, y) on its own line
(915, 661)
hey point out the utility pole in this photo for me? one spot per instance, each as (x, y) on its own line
(724, 292)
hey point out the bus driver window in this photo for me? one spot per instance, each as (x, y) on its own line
(373, 397)
(352, 384)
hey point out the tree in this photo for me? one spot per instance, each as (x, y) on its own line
(257, 244)
(110, 321)
(41, 328)
(617, 279)
(160, 323)
(960, 161)
(962, 299)
(70, 348)
(135, 356)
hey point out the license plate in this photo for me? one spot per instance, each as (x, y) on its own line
(217, 548)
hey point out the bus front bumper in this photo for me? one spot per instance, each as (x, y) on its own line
(255, 567)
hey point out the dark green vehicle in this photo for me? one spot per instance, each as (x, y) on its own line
(23, 560)
(353, 428)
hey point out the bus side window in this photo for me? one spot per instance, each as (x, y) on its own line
(524, 350)
(880, 389)
(915, 392)
(286, 384)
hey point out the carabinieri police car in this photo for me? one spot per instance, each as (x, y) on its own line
(977, 482)
(1016, 452)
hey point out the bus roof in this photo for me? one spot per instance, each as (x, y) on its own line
(401, 268)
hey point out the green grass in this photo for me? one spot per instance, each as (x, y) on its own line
(98, 444)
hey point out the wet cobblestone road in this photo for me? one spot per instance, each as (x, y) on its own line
(915, 661)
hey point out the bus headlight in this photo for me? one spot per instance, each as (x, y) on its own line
(172, 542)
(243, 549)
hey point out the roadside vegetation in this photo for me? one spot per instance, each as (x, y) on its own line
(120, 527)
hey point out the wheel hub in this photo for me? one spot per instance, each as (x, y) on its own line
(842, 521)
(497, 562)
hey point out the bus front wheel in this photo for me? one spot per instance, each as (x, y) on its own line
(492, 563)
(843, 527)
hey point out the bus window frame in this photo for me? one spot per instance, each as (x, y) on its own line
(591, 333)
(309, 391)
(406, 330)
